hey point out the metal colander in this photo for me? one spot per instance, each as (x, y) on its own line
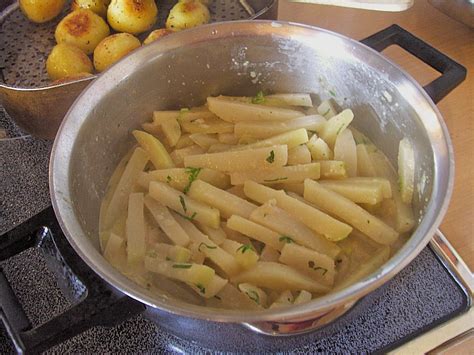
(25, 46)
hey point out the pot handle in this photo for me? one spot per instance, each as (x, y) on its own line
(452, 72)
(98, 304)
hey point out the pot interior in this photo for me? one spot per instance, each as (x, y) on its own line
(239, 59)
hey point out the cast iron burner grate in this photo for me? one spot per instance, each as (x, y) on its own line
(420, 297)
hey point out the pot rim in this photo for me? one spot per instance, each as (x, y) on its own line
(59, 179)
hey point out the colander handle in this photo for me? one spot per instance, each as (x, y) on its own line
(97, 304)
(452, 72)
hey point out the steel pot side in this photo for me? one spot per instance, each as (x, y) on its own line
(241, 58)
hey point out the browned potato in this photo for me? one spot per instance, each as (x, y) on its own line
(66, 60)
(82, 28)
(186, 14)
(156, 34)
(113, 48)
(97, 6)
(41, 10)
(132, 16)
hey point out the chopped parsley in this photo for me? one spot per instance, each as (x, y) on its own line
(191, 218)
(243, 248)
(183, 203)
(313, 266)
(340, 129)
(332, 92)
(201, 288)
(206, 245)
(168, 258)
(259, 98)
(271, 157)
(276, 179)
(168, 179)
(286, 239)
(182, 266)
(193, 174)
(182, 112)
(253, 295)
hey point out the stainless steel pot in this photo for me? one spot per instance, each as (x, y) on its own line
(241, 58)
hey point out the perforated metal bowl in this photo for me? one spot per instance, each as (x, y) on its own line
(31, 99)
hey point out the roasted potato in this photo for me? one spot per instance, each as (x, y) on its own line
(112, 48)
(156, 34)
(187, 14)
(132, 16)
(41, 10)
(97, 6)
(82, 28)
(66, 60)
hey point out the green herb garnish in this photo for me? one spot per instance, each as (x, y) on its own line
(313, 266)
(276, 179)
(207, 246)
(243, 248)
(168, 179)
(253, 295)
(183, 203)
(340, 129)
(332, 92)
(271, 157)
(182, 266)
(186, 217)
(286, 239)
(259, 98)
(182, 112)
(193, 174)
(201, 288)
(168, 258)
